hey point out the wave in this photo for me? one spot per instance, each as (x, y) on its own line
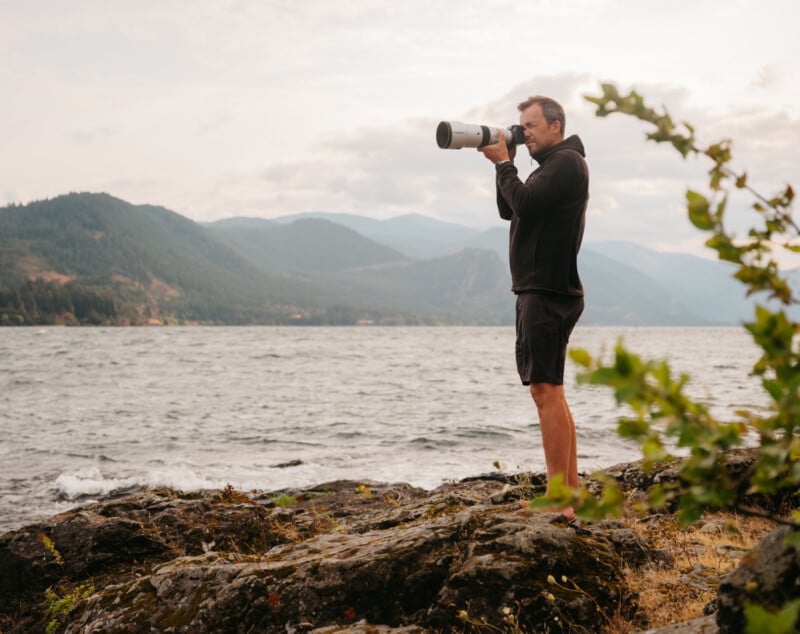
(479, 432)
(93, 484)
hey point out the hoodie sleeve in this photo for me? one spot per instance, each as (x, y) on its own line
(502, 206)
(552, 183)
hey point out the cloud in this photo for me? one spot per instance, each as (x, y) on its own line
(768, 77)
(90, 135)
(380, 172)
(263, 109)
(637, 189)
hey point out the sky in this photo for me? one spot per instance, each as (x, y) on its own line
(219, 108)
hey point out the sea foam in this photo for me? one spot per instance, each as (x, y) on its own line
(93, 484)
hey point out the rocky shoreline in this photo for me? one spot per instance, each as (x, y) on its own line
(366, 557)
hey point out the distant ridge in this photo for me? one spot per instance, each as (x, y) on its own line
(626, 284)
(414, 235)
(99, 259)
(706, 287)
(468, 286)
(306, 245)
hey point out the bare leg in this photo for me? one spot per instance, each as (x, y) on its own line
(572, 472)
(558, 434)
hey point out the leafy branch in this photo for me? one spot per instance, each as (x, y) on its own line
(757, 269)
(659, 406)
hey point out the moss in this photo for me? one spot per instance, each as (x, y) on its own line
(58, 606)
(284, 500)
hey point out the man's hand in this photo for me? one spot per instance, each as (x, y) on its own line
(498, 151)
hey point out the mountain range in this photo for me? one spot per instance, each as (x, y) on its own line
(147, 264)
(625, 283)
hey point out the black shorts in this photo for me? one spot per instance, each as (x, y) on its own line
(544, 324)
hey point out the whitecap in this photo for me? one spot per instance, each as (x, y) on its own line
(91, 484)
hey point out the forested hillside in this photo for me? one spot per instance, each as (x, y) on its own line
(139, 263)
(95, 259)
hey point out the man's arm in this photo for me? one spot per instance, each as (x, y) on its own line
(500, 154)
(555, 182)
(502, 206)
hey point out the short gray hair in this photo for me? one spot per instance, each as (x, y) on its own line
(551, 109)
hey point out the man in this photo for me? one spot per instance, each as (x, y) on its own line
(547, 214)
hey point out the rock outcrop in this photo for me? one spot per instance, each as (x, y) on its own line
(344, 556)
(769, 576)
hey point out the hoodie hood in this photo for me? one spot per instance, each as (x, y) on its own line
(570, 143)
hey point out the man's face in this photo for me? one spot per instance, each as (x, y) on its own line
(539, 135)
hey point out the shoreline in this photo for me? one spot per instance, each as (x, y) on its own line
(346, 553)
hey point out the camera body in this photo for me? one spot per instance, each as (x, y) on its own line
(453, 135)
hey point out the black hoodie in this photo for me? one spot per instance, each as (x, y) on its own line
(547, 215)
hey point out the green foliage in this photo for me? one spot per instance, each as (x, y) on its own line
(658, 402)
(661, 412)
(660, 408)
(762, 621)
(58, 607)
(758, 269)
(283, 500)
(559, 495)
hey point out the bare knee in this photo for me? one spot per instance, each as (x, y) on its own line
(544, 394)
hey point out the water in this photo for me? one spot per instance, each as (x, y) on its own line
(92, 411)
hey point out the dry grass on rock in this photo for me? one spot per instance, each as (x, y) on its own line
(702, 554)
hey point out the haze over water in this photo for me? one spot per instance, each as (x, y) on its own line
(91, 411)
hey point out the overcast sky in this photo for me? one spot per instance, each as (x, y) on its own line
(236, 108)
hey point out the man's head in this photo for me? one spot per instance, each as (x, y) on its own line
(543, 120)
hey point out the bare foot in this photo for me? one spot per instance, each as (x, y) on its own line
(567, 511)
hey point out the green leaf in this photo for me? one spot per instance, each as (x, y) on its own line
(653, 450)
(558, 494)
(699, 213)
(793, 538)
(689, 510)
(658, 406)
(604, 376)
(632, 428)
(741, 181)
(658, 497)
(581, 357)
(724, 246)
(775, 389)
(762, 621)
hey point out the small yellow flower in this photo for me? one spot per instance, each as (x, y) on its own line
(551, 580)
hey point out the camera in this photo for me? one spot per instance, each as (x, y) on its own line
(453, 135)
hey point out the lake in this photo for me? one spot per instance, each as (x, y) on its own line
(87, 412)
